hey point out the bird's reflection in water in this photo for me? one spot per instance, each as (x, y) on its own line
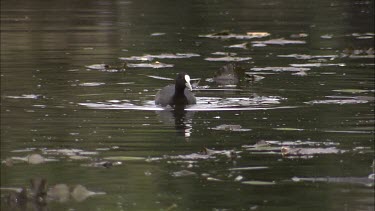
(180, 118)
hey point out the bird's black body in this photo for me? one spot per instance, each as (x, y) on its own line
(177, 94)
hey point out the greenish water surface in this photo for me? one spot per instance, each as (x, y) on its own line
(78, 80)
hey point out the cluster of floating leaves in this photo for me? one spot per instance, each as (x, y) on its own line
(54, 155)
(359, 53)
(39, 194)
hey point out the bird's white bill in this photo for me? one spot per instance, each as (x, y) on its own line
(187, 84)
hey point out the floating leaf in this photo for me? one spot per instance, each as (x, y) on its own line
(248, 168)
(183, 173)
(288, 129)
(280, 69)
(59, 192)
(280, 41)
(213, 179)
(230, 128)
(35, 159)
(255, 182)
(354, 91)
(227, 59)
(155, 65)
(227, 35)
(80, 193)
(339, 102)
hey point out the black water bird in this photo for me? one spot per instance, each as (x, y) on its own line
(178, 94)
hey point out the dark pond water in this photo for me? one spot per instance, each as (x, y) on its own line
(294, 130)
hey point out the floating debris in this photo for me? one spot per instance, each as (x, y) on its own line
(238, 178)
(362, 56)
(318, 65)
(228, 153)
(33, 159)
(193, 156)
(150, 57)
(367, 181)
(92, 84)
(213, 179)
(25, 96)
(255, 182)
(161, 78)
(359, 53)
(261, 143)
(155, 65)
(303, 143)
(137, 58)
(80, 193)
(227, 35)
(288, 129)
(286, 151)
(244, 45)
(327, 36)
(280, 41)
(308, 57)
(39, 195)
(68, 152)
(300, 73)
(219, 53)
(156, 34)
(300, 35)
(339, 102)
(105, 164)
(183, 173)
(281, 69)
(227, 59)
(248, 168)
(353, 91)
(59, 192)
(105, 67)
(237, 128)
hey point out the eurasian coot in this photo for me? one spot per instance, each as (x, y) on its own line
(178, 94)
